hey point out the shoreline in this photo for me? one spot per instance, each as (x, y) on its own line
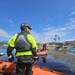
(67, 58)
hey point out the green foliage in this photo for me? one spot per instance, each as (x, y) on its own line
(56, 43)
(3, 42)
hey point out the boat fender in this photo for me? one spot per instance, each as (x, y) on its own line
(4, 67)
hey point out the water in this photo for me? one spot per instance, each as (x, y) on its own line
(72, 50)
(52, 63)
(55, 64)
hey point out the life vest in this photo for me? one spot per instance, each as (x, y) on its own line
(21, 42)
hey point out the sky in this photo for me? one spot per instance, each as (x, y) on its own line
(47, 18)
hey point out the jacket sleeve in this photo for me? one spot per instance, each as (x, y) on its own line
(9, 53)
(32, 41)
(11, 45)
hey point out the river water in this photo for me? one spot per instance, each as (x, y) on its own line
(51, 63)
(72, 50)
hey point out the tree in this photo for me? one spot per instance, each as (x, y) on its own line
(56, 38)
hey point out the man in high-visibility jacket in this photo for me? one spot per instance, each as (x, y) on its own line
(25, 46)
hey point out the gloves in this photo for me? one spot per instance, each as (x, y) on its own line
(35, 58)
(11, 58)
(34, 52)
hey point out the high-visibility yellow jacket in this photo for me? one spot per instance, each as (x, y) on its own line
(31, 40)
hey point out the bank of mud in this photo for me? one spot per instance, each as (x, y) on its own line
(67, 58)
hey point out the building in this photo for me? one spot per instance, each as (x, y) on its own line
(69, 42)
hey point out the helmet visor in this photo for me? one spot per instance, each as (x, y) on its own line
(29, 27)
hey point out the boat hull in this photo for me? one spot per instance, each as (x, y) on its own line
(42, 53)
(8, 68)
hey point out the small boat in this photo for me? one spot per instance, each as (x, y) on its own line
(8, 68)
(42, 52)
